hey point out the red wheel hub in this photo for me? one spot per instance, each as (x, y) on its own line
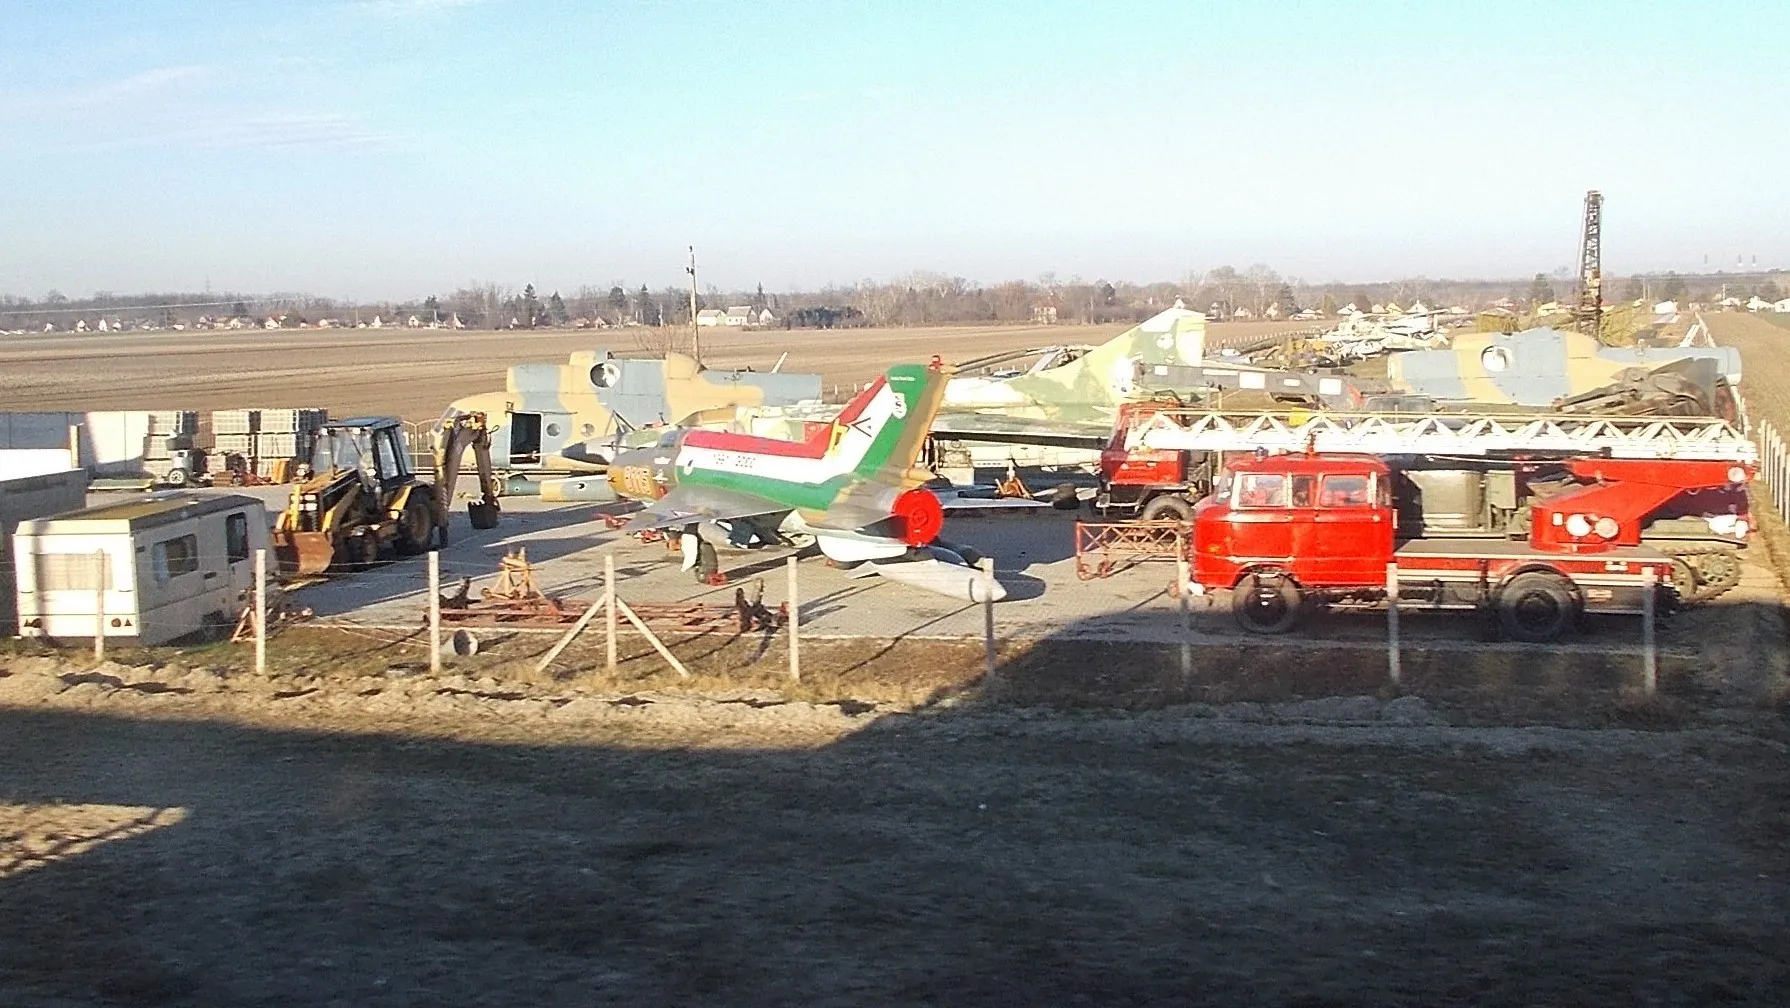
(918, 517)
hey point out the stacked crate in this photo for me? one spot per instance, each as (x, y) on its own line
(285, 435)
(169, 431)
(266, 437)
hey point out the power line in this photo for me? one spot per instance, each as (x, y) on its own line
(149, 307)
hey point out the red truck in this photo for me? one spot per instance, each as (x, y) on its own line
(1536, 519)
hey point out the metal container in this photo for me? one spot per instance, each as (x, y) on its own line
(1449, 499)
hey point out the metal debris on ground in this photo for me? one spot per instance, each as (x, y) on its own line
(516, 600)
(280, 612)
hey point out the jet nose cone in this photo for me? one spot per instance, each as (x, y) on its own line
(631, 476)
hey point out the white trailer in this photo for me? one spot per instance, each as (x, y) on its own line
(154, 570)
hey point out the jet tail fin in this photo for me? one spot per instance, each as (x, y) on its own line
(883, 430)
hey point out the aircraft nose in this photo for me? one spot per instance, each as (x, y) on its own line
(631, 476)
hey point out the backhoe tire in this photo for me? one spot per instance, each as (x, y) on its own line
(416, 526)
(1536, 607)
(1266, 603)
(1168, 507)
(362, 551)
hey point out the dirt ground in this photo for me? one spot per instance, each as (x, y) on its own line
(192, 835)
(415, 373)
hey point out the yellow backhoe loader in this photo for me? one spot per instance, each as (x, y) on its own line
(362, 499)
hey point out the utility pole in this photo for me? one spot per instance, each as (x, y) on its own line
(695, 328)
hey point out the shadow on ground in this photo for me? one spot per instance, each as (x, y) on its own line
(972, 853)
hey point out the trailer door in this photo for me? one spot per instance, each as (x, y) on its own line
(239, 553)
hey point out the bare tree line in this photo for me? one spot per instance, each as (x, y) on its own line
(916, 299)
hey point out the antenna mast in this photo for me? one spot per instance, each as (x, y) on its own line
(695, 326)
(1589, 313)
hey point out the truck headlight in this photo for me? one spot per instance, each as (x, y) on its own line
(1607, 527)
(1578, 526)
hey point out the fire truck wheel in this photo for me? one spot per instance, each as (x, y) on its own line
(1168, 507)
(1266, 604)
(1536, 607)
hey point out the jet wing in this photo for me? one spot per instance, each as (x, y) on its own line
(994, 427)
(686, 505)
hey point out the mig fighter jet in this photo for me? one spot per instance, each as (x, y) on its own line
(853, 487)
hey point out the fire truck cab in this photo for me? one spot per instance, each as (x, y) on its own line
(1289, 532)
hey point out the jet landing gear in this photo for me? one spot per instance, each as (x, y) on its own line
(700, 557)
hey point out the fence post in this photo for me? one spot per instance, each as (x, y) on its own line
(795, 622)
(1181, 578)
(1649, 660)
(435, 612)
(261, 612)
(609, 611)
(1394, 669)
(99, 610)
(988, 614)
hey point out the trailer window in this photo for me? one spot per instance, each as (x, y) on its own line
(236, 537)
(173, 557)
(1262, 490)
(1346, 491)
(67, 571)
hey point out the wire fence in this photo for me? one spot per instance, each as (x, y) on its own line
(453, 610)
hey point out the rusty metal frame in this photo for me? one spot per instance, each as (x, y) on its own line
(1102, 549)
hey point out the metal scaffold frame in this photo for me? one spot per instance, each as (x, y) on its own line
(1491, 435)
(1105, 548)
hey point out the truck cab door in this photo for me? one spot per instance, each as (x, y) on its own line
(1351, 534)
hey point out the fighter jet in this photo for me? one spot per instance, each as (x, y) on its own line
(853, 488)
(1068, 398)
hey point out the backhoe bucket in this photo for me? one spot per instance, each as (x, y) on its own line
(302, 553)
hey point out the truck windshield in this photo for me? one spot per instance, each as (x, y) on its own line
(1346, 491)
(1262, 490)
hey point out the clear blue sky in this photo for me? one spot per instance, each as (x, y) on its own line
(392, 148)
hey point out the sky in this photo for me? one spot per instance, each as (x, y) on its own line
(377, 149)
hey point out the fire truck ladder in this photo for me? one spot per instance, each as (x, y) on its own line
(1488, 435)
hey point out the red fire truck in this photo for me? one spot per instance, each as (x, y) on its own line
(1536, 519)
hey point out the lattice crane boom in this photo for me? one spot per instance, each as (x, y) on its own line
(1443, 434)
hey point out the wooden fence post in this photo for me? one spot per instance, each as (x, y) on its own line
(795, 622)
(261, 612)
(1394, 664)
(988, 651)
(1649, 659)
(1182, 576)
(99, 609)
(435, 612)
(609, 610)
